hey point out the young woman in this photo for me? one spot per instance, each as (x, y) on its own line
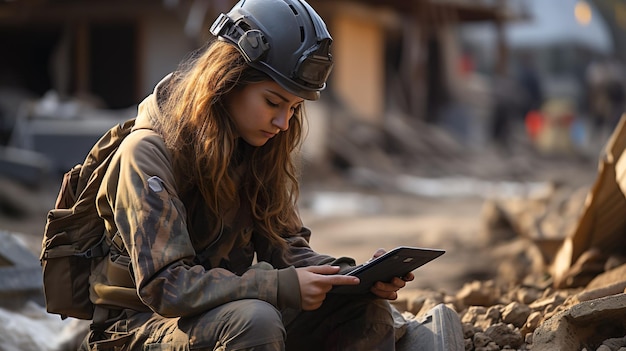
(200, 205)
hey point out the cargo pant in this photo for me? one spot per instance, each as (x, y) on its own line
(344, 322)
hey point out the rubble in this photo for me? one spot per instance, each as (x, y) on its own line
(555, 320)
(557, 292)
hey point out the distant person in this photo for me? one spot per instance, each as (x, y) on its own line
(504, 114)
(206, 185)
(530, 82)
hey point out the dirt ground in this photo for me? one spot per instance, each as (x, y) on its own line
(449, 224)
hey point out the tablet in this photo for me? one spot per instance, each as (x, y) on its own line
(395, 263)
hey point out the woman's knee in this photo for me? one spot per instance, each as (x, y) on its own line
(257, 315)
(240, 324)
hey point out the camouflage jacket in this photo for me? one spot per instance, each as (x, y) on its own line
(151, 225)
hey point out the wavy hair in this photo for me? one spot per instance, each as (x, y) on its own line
(202, 137)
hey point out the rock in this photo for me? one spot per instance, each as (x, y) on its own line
(516, 314)
(586, 323)
(491, 316)
(469, 345)
(615, 344)
(532, 322)
(608, 283)
(528, 339)
(503, 335)
(478, 294)
(420, 300)
(492, 346)
(493, 313)
(472, 313)
(481, 340)
(526, 295)
(548, 303)
(468, 330)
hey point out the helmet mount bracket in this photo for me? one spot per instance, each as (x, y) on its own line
(253, 45)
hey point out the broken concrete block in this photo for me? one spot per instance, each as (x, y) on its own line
(20, 273)
(585, 325)
(15, 253)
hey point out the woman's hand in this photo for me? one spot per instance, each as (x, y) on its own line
(316, 281)
(389, 290)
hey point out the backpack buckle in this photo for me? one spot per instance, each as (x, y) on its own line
(98, 250)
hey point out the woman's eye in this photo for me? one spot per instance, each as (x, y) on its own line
(271, 104)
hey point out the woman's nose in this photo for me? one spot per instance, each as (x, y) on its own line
(281, 121)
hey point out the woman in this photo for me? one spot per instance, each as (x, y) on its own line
(206, 185)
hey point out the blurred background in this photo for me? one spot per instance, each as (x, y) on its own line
(478, 69)
(434, 110)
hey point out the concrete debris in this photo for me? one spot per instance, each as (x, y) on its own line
(20, 273)
(556, 320)
(59, 131)
(33, 329)
(561, 278)
(589, 324)
(599, 231)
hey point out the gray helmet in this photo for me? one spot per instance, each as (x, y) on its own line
(286, 39)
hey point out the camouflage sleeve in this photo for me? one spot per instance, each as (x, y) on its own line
(300, 254)
(151, 220)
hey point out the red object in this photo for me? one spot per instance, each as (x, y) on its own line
(534, 123)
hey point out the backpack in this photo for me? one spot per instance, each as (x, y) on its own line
(74, 238)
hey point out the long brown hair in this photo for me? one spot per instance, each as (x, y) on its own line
(201, 135)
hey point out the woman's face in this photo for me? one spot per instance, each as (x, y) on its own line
(262, 110)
